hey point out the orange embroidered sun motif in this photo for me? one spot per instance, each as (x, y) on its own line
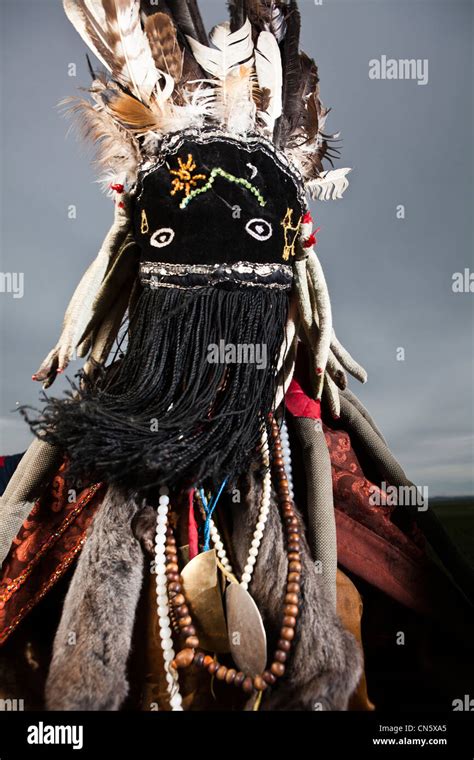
(184, 177)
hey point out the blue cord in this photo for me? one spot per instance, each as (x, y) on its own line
(209, 509)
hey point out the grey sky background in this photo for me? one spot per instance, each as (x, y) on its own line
(390, 280)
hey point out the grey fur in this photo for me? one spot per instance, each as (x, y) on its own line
(93, 641)
(326, 662)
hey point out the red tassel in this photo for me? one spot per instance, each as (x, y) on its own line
(307, 218)
(117, 188)
(192, 528)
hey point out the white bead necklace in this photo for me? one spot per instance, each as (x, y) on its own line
(259, 528)
(286, 451)
(163, 608)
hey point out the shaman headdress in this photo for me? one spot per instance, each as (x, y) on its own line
(211, 146)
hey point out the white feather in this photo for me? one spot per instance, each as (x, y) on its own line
(112, 30)
(330, 185)
(139, 65)
(270, 75)
(232, 49)
(81, 11)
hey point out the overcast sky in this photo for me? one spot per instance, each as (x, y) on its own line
(390, 279)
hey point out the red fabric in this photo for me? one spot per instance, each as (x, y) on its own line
(192, 528)
(301, 405)
(2, 461)
(46, 545)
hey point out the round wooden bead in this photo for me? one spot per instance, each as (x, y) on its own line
(221, 673)
(173, 578)
(268, 677)
(284, 645)
(247, 685)
(295, 567)
(207, 660)
(293, 588)
(175, 587)
(230, 677)
(287, 633)
(294, 556)
(213, 667)
(239, 678)
(199, 659)
(288, 621)
(280, 656)
(294, 577)
(172, 567)
(259, 683)
(291, 609)
(183, 611)
(189, 630)
(184, 658)
(277, 669)
(178, 600)
(182, 622)
(291, 599)
(193, 641)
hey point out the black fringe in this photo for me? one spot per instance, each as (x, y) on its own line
(162, 413)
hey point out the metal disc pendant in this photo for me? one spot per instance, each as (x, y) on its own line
(202, 588)
(247, 637)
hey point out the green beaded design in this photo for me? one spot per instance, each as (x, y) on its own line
(218, 172)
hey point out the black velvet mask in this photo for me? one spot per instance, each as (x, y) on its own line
(217, 203)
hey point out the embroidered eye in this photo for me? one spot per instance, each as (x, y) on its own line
(259, 229)
(162, 237)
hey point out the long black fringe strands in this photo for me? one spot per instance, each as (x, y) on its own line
(163, 413)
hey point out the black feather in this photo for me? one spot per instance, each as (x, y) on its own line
(292, 76)
(187, 18)
(237, 14)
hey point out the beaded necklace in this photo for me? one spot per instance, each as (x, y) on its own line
(172, 602)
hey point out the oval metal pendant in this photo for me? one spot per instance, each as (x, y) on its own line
(247, 637)
(202, 588)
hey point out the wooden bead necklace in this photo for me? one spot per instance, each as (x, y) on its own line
(168, 569)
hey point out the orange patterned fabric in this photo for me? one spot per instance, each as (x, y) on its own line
(46, 545)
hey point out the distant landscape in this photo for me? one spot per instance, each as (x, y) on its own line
(457, 515)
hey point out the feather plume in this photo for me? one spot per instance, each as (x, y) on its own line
(186, 15)
(236, 14)
(232, 50)
(234, 105)
(269, 75)
(330, 185)
(113, 31)
(291, 93)
(164, 45)
(116, 151)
